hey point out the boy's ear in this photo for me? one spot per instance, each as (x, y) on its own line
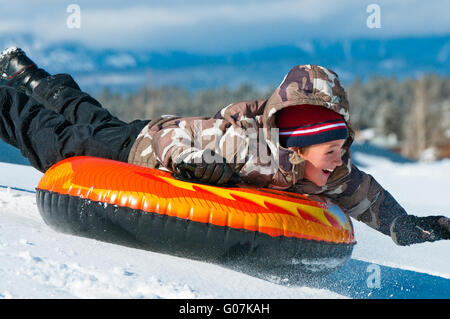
(296, 149)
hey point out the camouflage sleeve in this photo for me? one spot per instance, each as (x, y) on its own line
(366, 200)
(189, 137)
(233, 133)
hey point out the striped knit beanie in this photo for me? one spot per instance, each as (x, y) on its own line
(305, 125)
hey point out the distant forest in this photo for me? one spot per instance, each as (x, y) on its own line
(412, 114)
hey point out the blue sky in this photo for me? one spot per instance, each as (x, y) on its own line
(220, 26)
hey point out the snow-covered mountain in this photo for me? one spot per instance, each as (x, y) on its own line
(37, 262)
(131, 68)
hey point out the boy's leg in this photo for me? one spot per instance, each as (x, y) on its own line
(46, 137)
(62, 94)
(59, 93)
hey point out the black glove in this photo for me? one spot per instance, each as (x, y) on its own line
(409, 229)
(205, 167)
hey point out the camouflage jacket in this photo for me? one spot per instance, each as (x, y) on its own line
(245, 134)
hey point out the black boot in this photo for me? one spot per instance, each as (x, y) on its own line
(19, 72)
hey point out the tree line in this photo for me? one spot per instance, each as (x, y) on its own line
(414, 113)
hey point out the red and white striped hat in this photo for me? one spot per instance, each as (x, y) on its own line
(305, 125)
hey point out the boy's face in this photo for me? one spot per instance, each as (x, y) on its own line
(321, 160)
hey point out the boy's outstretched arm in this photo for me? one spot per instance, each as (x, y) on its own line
(366, 200)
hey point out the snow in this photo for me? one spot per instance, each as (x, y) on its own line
(8, 51)
(38, 262)
(4, 53)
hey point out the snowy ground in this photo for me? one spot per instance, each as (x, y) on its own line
(37, 262)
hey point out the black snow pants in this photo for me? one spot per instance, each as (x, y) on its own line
(60, 121)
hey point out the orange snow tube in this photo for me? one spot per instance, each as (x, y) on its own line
(148, 208)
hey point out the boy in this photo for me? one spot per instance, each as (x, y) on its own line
(298, 140)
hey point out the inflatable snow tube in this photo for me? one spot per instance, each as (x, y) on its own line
(245, 228)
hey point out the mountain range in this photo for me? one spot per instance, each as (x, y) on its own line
(129, 69)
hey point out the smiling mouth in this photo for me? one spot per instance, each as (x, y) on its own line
(327, 171)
